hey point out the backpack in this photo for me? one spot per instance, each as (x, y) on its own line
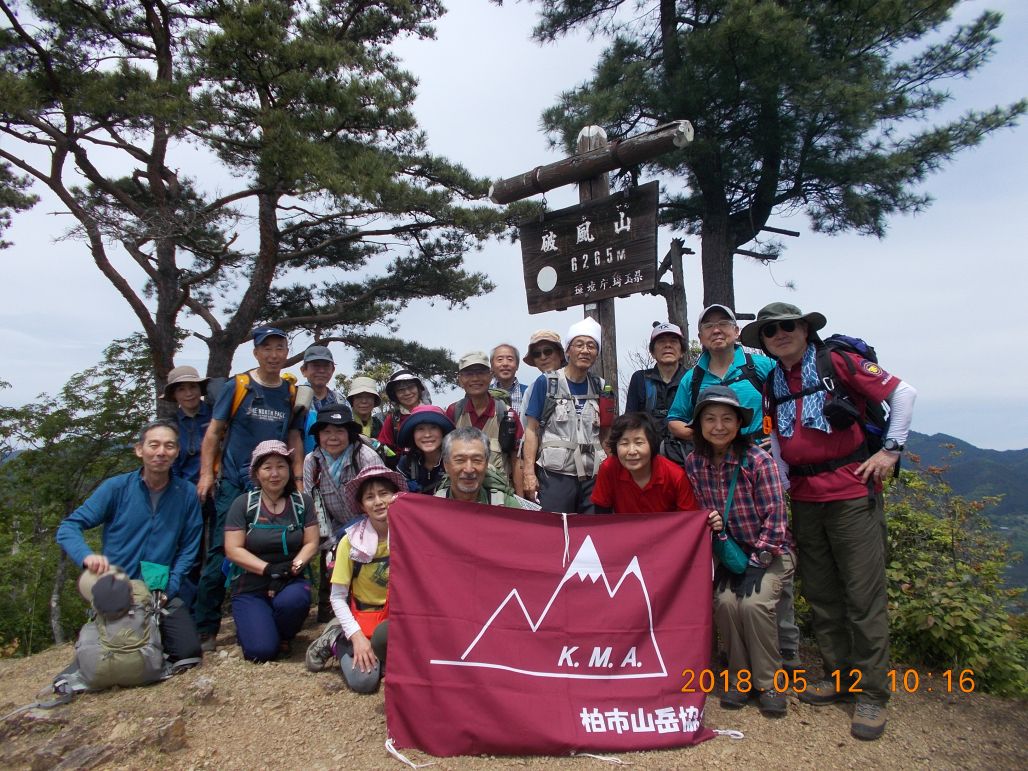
(242, 386)
(748, 371)
(231, 570)
(506, 430)
(841, 409)
(550, 404)
(121, 650)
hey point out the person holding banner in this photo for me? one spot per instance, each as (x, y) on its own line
(360, 583)
(636, 479)
(732, 475)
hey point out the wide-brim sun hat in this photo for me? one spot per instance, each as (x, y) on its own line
(720, 395)
(265, 450)
(423, 414)
(773, 312)
(183, 374)
(543, 336)
(363, 385)
(352, 488)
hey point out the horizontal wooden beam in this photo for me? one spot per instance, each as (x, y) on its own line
(781, 231)
(617, 154)
(756, 255)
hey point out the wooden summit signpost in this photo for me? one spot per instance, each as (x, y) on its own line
(593, 251)
(606, 246)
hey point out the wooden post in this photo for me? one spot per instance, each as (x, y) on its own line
(595, 138)
(680, 310)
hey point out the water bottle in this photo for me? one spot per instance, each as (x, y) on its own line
(508, 433)
(608, 406)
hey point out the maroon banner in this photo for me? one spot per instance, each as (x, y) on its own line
(510, 634)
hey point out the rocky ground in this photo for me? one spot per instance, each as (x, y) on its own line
(229, 714)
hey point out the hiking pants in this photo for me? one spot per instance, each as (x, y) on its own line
(179, 637)
(263, 622)
(842, 569)
(363, 682)
(788, 632)
(211, 593)
(565, 493)
(749, 627)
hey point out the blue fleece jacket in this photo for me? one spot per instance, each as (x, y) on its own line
(133, 531)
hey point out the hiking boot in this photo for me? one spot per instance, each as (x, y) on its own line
(773, 704)
(821, 693)
(320, 652)
(734, 699)
(208, 642)
(868, 721)
(791, 660)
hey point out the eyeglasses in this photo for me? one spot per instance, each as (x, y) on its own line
(584, 345)
(724, 325)
(770, 330)
(542, 353)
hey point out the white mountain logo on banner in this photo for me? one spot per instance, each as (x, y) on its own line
(587, 630)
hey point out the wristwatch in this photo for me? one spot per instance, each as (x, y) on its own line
(765, 558)
(892, 445)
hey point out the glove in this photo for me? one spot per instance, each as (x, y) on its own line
(722, 577)
(750, 582)
(275, 570)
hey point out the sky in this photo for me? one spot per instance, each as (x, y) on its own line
(940, 297)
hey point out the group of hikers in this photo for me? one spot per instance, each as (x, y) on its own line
(244, 489)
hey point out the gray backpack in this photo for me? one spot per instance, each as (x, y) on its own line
(121, 648)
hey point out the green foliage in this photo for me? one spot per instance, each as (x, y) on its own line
(947, 602)
(55, 452)
(12, 197)
(308, 198)
(820, 107)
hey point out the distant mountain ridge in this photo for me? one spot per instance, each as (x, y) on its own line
(975, 473)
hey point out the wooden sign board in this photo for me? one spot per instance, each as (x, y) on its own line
(592, 251)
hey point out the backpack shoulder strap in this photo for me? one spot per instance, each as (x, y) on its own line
(552, 387)
(458, 409)
(253, 508)
(694, 384)
(298, 507)
(242, 385)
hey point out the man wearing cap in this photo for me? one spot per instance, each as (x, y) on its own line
(364, 399)
(837, 510)
(264, 411)
(503, 361)
(563, 446)
(469, 475)
(479, 408)
(724, 362)
(653, 390)
(147, 515)
(318, 367)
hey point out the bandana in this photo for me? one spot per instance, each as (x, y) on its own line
(813, 404)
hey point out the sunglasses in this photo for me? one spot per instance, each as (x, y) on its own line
(541, 353)
(770, 330)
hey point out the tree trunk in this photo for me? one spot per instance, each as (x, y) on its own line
(55, 600)
(716, 249)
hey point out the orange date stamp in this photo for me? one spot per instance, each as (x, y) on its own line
(783, 681)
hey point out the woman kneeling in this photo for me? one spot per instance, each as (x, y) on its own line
(360, 582)
(271, 533)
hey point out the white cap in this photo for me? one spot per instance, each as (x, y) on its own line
(587, 327)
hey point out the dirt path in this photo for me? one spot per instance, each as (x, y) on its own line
(229, 714)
